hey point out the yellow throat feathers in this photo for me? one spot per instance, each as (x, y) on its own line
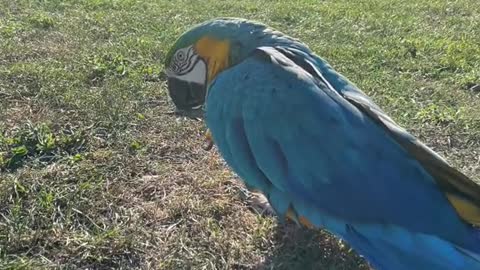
(215, 53)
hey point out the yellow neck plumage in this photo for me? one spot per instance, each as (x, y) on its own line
(215, 53)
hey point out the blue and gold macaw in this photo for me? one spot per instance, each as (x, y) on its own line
(323, 153)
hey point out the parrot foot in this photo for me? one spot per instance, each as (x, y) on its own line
(259, 203)
(208, 144)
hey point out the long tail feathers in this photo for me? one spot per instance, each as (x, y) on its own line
(398, 249)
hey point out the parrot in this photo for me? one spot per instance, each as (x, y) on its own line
(323, 153)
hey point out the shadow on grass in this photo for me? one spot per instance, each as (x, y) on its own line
(299, 248)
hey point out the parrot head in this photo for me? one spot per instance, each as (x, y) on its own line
(207, 49)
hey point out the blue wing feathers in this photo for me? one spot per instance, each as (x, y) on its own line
(288, 135)
(309, 139)
(450, 180)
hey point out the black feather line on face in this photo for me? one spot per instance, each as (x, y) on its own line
(185, 65)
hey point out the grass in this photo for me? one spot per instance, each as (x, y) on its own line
(95, 174)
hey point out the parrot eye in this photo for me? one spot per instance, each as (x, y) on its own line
(180, 56)
(184, 60)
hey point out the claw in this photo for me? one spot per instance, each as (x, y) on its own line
(208, 141)
(260, 204)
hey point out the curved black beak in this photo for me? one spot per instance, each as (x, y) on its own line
(185, 95)
(188, 97)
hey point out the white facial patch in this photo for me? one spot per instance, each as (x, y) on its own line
(197, 74)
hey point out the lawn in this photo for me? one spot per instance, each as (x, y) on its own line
(95, 173)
